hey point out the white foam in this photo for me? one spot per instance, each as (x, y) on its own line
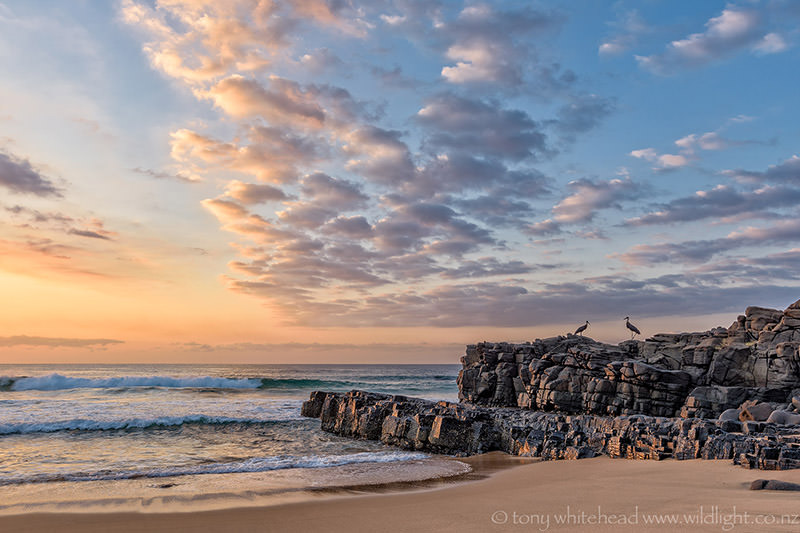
(254, 464)
(85, 424)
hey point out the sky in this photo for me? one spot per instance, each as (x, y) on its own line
(333, 181)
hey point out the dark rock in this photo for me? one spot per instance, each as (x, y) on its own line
(727, 393)
(460, 429)
(773, 484)
(685, 374)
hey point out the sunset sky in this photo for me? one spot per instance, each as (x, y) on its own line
(312, 180)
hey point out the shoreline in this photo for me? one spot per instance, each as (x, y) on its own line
(713, 495)
(197, 493)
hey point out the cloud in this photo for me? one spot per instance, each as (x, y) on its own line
(481, 127)
(691, 144)
(786, 172)
(251, 193)
(225, 210)
(502, 304)
(707, 141)
(320, 60)
(489, 46)
(189, 178)
(734, 30)
(663, 161)
(582, 114)
(630, 27)
(720, 202)
(19, 176)
(487, 267)
(334, 193)
(356, 227)
(589, 196)
(272, 154)
(782, 233)
(54, 342)
(336, 207)
(90, 234)
(379, 155)
(772, 43)
(90, 227)
(284, 102)
(545, 227)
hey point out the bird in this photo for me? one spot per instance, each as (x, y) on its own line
(634, 330)
(582, 328)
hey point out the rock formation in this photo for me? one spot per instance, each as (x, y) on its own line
(459, 429)
(721, 394)
(685, 374)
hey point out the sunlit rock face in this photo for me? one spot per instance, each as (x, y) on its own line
(685, 374)
(721, 394)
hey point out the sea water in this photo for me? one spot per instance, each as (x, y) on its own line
(87, 424)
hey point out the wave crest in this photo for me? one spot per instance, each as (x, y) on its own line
(85, 424)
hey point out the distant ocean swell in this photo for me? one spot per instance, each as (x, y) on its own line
(83, 424)
(58, 382)
(54, 382)
(253, 464)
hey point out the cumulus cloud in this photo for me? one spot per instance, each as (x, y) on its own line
(662, 161)
(772, 43)
(282, 102)
(335, 207)
(252, 193)
(489, 45)
(225, 210)
(271, 154)
(589, 196)
(18, 176)
(332, 192)
(734, 30)
(690, 145)
(482, 127)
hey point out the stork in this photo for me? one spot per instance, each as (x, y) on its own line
(581, 329)
(634, 330)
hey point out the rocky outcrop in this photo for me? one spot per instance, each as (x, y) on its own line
(459, 429)
(721, 394)
(685, 374)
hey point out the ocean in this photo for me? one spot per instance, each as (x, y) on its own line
(75, 434)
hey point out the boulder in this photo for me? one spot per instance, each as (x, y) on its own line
(755, 411)
(730, 414)
(784, 418)
(774, 484)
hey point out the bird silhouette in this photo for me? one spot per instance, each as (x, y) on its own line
(581, 329)
(634, 330)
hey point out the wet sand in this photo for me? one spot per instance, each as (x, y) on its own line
(598, 494)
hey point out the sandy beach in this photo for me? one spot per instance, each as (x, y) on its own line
(599, 494)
